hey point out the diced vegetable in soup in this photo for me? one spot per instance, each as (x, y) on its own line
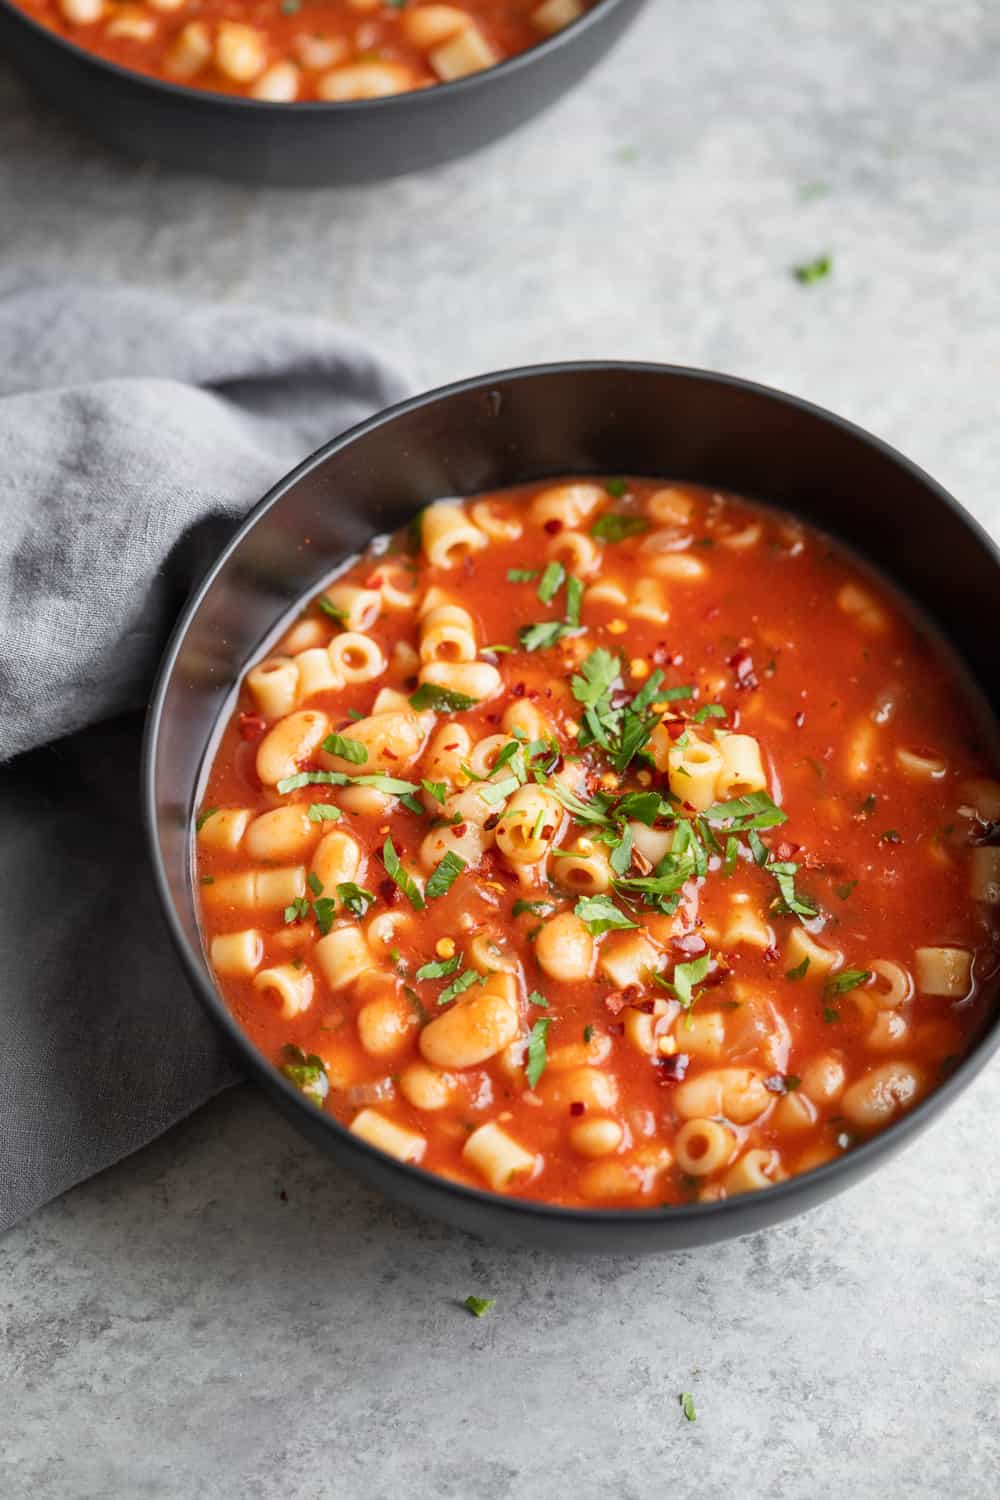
(286, 50)
(623, 844)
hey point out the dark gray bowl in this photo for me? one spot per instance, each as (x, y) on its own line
(502, 430)
(311, 144)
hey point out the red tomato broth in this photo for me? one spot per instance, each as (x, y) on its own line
(762, 634)
(321, 39)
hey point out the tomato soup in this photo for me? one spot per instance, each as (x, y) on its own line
(606, 843)
(285, 50)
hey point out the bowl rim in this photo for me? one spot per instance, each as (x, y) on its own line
(184, 92)
(818, 1182)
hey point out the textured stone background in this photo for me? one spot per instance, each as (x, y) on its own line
(181, 1328)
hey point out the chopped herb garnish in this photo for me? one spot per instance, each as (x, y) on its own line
(458, 986)
(621, 855)
(537, 1054)
(890, 837)
(830, 1015)
(616, 488)
(439, 968)
(394, 869)
(204, 817)
(412, 804)
(206, 880)
(800, 971)
(324, 910)
(536, 908)
(521, 575)
(444, 875)
(331, 609)
(355, 897)
(675, 694)
(479, 1306)
(314, 883)
(755, 810)
(307, 1072)
(790, 902)
(687, 1406)
(537, 998)
(813, 270)
(845, 889)
(297, 910)
(588, 1034)
(708, 711)
(600, 914)
(440, 700)
(613, 527)
(552, 582)
(847, 979)
(436, 789)
(869, 804)
(323, 812)
(686, 976)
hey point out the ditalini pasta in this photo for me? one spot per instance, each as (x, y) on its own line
(617, 843)
(280, 51)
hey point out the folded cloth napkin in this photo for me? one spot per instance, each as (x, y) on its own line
(135, 431)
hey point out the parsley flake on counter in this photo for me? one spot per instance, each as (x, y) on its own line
(307, 1072)
(687, 1406)
(813, 270)
(479, 1306)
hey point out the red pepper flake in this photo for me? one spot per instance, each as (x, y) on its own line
(459, 829)
(493, 718)
(373, 581)
(616, 1028)
(671, 1069)
(577, 1107)
(742, 664)
(389, 891)
(252, 726)
(553, 527)
(517, 691)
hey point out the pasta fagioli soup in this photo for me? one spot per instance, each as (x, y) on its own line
(281, 51)
(607, 843)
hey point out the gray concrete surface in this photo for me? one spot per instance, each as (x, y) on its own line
(227, 1315)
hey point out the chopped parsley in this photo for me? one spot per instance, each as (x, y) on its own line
(352, 750)
(687, 1406)
(813, 270)
(846, 980)
(458, 986)
(588, 1034)
(355, 897)
(616, 488)
(439, 968)
(440, 700)
(329, 608)
(444, 875)
(536, 908)
(479, 1306)
(323, 812)
(537, 1054)
(436, 789)
(600, 914)
(552, 581)
(685, 977)
(613, 527)
(204, 817)
(307, 1072)
(800, 971)
(402, 877)
(521, 575)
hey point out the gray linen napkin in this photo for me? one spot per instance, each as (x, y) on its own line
(135, 431)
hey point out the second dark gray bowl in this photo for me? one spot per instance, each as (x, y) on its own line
(310, 144)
